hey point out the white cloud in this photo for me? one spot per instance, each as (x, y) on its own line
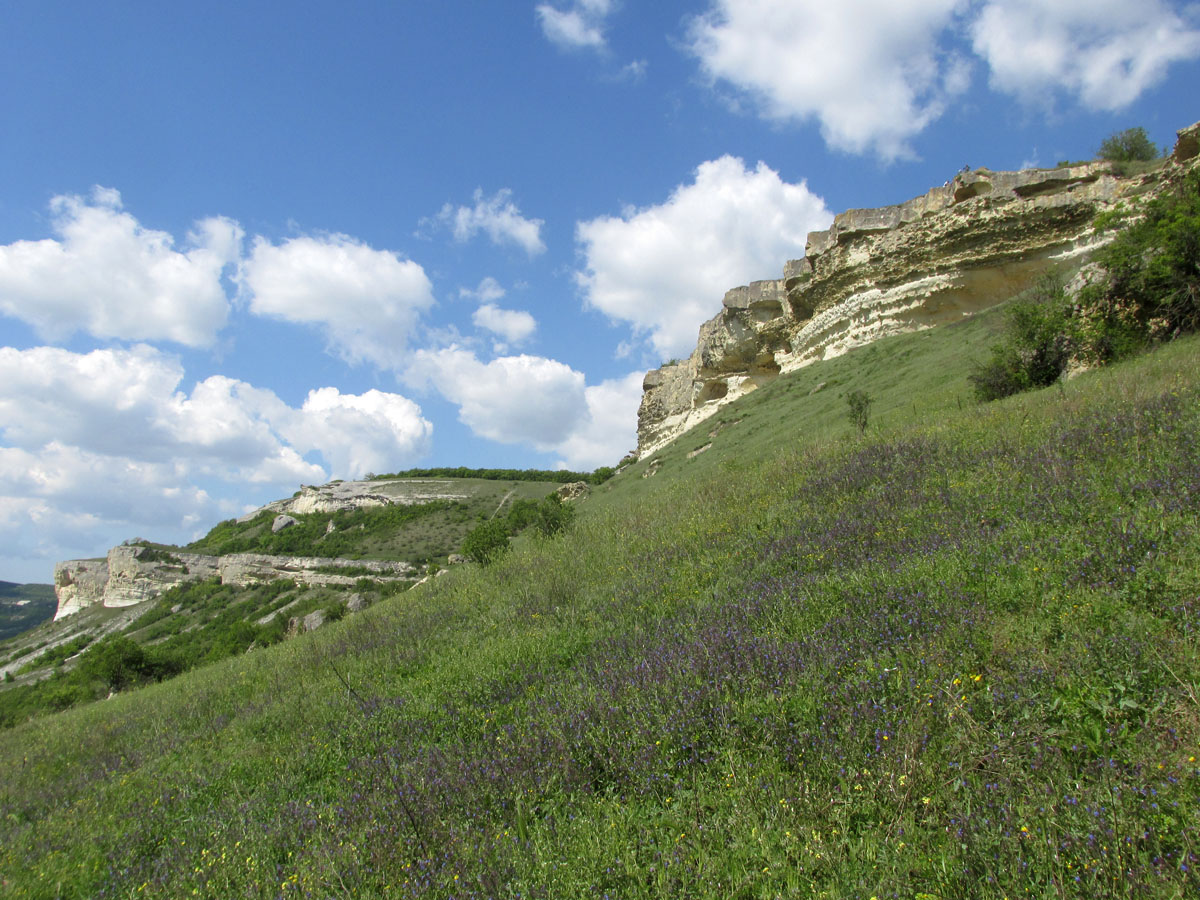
(489, 289)
(580, 26)
(610, 430)
(498, 217)
(107, 275)
(357, 434)
(870, 71)
(664, 269)
(106, 441)
(513, 325)
(513, 399)
(59, 479)
(1106, 52)
(366, 301)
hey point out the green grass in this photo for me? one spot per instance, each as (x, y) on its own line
(954, 657)
(417, 533)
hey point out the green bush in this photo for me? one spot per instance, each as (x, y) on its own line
(1151, 289)
(1130, 145)
(486, 542)
(1036, 347)
(553, 515)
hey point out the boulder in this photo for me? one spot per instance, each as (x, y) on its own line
(282, 522)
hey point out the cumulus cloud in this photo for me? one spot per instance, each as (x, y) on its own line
(664, 269)
(357, 434)
(498, 217)
(108, 437)
(513, 325)
(107, 275)
(1106, 52)
(513, 399)
(579, 26)
(871, 72)
(366, 301)
(610, 429)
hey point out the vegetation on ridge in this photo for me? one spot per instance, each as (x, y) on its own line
(1147, 290)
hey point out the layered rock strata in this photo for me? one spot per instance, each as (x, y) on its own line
(132, 574)
(974, 242)
(344, 495)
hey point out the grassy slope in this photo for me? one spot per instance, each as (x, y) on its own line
(432, 533)
(23, 606)
(955, 658)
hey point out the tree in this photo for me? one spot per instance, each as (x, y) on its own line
(860, 409)
(1130, 145)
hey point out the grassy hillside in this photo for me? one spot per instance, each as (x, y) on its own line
(83, 657)
(22, 606)
(954, 657)
(418, 533)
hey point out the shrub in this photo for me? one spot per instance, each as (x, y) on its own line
(1152, 285)
(1130, 145)
(602, 474)
(860, 409)
(486, 542)
(553, 515)
(1036, 347)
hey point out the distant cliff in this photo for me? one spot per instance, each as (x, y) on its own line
(135, 572)
(974, 242)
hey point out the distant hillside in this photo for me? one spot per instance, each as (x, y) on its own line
(151, 611)
(22, 606)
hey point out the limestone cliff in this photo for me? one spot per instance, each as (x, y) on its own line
(970, 244)
(133, 573)
(342, 495)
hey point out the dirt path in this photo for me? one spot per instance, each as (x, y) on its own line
(503, 500)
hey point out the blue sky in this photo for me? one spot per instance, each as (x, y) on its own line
(245, 246)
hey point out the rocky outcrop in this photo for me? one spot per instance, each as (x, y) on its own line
(79, 583)
(573, 491)
(344, 495)
(132, 574)
(979, 239)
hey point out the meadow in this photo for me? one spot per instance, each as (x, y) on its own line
(954, 656)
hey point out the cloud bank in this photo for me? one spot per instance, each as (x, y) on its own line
(873, 74)
(106, 275)
(98, 440)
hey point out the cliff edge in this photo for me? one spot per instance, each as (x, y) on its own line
(976, 241)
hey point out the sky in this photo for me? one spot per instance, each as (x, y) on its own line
(246, 246)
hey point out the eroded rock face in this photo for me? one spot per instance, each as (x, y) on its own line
(134, 574)
(79, 583)
(960, 248)
(344, 495)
